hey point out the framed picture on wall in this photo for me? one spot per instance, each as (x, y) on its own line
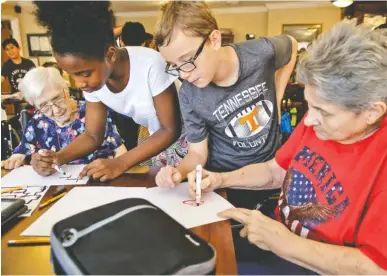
(39, 45)
(303, 33)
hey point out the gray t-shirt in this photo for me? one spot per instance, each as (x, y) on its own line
(241, 121)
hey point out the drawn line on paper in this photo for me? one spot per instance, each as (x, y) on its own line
(30, 197)
(70, 178)
(192, 202)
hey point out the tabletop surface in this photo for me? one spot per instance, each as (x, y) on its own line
(36, 259)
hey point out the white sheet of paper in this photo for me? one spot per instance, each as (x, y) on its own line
(26, 176)
(31, 195)
(79, 199)
(172, 201)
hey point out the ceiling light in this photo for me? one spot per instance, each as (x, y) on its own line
(342, 3)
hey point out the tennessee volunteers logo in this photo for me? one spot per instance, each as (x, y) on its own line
(250, 121)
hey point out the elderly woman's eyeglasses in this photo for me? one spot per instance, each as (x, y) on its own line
(187, 66)
(58, 103)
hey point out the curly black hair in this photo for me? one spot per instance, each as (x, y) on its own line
(83, 28)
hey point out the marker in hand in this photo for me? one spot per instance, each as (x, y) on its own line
(198, 191)
(56, 167)
(59, 169)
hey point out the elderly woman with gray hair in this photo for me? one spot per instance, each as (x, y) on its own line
(333, 169)
(58, 120)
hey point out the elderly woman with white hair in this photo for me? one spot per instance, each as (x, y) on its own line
(58, 120)
(333, 169)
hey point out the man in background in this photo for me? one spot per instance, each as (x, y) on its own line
(15, 68)
(133, 34)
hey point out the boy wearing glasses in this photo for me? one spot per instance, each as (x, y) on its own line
(230, 95)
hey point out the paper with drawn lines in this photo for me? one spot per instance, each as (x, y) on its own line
(174, 203)
(31, 195)
(26, 176)
(170, 200)
(77, 200)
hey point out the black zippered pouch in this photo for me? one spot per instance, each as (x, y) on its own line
(130, 236)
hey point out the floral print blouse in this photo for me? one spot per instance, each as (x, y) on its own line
(42, 132)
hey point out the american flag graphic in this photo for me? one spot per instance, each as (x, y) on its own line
(301, 190)
(298, 205)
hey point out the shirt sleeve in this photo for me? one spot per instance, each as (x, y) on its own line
(28, 143)
(372, 234)
(5, 70)
(195, 126)
(158, 80)
(285, 154)
(91, 97)
(282, 46)
(31, 64)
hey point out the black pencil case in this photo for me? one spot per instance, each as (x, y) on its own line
(130, 236)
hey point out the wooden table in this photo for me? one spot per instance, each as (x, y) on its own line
(36, 259)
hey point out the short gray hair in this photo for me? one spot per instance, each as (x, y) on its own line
(39, 79)
(348, 66)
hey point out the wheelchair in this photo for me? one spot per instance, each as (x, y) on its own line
(12, 130)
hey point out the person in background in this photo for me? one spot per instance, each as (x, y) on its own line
(150, 42)
(230, 95)
(133, 34)
(333, 169)
(58, 120)
(129, 80)
(15, 68)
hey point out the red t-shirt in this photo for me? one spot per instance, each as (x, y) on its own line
(336, 193)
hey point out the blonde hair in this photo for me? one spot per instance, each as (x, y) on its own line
(192, 17)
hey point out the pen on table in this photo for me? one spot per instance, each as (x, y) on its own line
(48, 202)
(31, 241)
(198, 192)
(11, 189)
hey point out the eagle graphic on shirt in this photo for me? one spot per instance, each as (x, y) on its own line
(299, 207)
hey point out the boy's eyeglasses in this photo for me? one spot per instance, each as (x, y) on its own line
(187, 66)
